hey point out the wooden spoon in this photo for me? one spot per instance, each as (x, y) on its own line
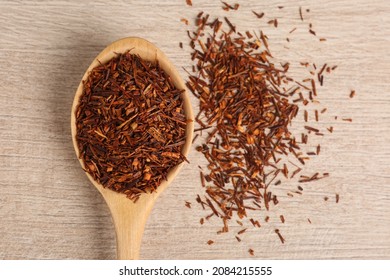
(129, 217)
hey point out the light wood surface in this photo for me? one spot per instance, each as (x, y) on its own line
(130, 218)
(50, 210)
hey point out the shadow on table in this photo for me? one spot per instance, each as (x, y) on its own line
(89, 215)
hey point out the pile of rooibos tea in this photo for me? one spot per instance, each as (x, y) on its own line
(130, 125)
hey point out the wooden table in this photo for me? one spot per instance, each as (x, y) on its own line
(48, 208)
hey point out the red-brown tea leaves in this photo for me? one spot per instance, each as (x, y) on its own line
(243, 100)
(247, 103)
(130, 125)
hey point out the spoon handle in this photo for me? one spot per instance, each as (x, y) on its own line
(129, 220)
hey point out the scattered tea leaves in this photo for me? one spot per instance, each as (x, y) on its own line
(247, 104)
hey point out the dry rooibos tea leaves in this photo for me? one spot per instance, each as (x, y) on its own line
(130, 125)
(248, 100)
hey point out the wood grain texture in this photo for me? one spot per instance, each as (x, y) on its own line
(49, 209)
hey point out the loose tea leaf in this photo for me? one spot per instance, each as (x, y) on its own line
(280, 236)
(130, 125)
(226, 6)
(258, 15)
(300, 13)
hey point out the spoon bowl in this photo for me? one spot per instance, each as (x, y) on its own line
(130, 217)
